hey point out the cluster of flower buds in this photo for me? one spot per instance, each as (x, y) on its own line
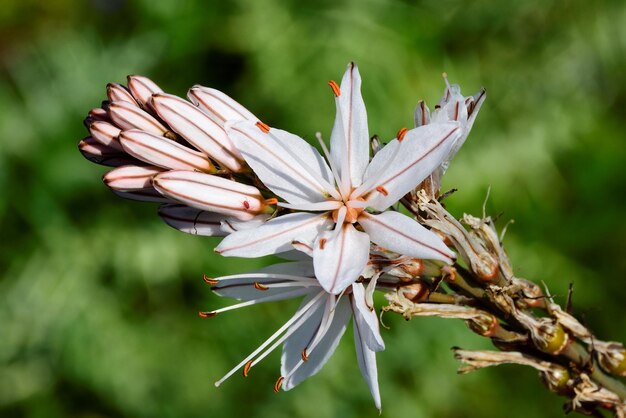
(218, 170)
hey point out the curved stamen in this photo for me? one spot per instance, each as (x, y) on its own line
(321, 206)
(371, 184)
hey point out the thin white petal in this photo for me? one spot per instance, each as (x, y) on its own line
(192, 221)
(131, 177)
(211, 193)
(366, 319)
(219, 106)
(285, 163)
(367, 363)
(294, 346)
(198, 129)
(339, 257)
(349, 141)
(163, 152)
(401, 234)
(421, 151)
(275, 236)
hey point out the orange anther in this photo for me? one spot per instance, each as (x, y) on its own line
(259, 286)
(382, 190)
(262, 126)
(246, 368)
(206, 314)
(271, 201)
(401, 133)
(278, 384)
(209, 280)
(322, 243)
(305, 356)
(333, 85)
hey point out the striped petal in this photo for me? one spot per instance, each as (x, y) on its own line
(403, 235)
(349, 140)
(142, 88)
(366, 358)
(118, 93)
(339, 257)
(365, 319)
(131, 177)
(106, 133)
(211, 193)
(422, 150)
(198, 129)
(275, 236)
(128, 116)
(285, 163)
(163, 152)
(219, 106)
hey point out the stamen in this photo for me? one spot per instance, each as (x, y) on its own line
(259, 286)
(382, 190)
(203, 314)
(271, 201)
(263, 127)
(208, 280)
(305, 356)
(322, 243)
(401, 133)
(321, 206)
(278, 384)
(246, 368)
(335, 87)
(333, 168)
(300, 316)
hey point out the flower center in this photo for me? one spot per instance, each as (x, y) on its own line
(352, 213)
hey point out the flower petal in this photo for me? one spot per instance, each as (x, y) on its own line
(131, 177)
(274, 236)
(192, 221)
(349, 140)
(366, 319)
(219, 106)
(284, 162)
(367, 363)
(211, 193)
(294, 346)
(198, 129)
(403, 235)
(339, 257)
(422, 150)
(163, 152)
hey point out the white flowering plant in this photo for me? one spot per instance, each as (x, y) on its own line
(357, 218)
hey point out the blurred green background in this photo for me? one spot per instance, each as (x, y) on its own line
(98, 298)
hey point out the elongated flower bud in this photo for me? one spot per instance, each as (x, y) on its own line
(98, 153)
(219, 106)
(106, 133)
(118, 93)
(198, 129)
(211, 193)
(163, 152)
(128, 116)
(131, 177)
(142, 88)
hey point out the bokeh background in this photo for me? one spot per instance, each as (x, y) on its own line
(99, 299)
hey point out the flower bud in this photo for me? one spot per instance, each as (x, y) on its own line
(128, 116)
(198, 129)
(551, 339)
(211, 193)
(192, 221)
(98, 153)
(118, 93)
(131, 177)
(163, 152)
(106, 134)
(142, 88)
(219, 106)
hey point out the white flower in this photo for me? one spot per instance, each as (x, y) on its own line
(453, 106)
(330, 201)
(312, 334)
